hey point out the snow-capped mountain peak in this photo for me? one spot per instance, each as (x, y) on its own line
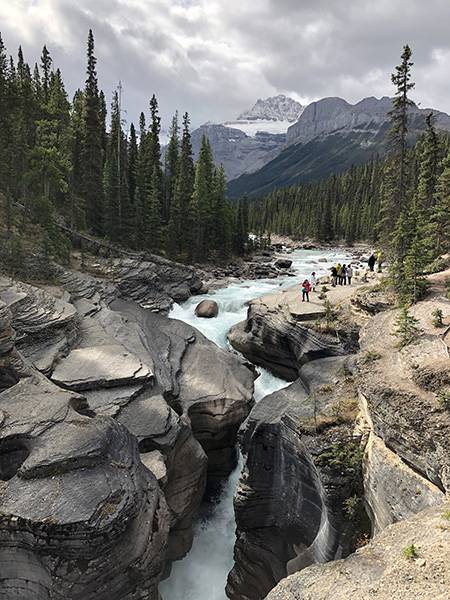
(278, 108)
(273, 115)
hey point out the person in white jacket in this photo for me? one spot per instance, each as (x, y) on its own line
(349, 274)
(313, 281)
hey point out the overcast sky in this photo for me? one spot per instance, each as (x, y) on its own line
(215, 58)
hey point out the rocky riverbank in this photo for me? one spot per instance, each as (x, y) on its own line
(290, 501)
(111, 427)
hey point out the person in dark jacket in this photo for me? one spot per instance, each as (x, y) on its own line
(371, 262)
(334, 276)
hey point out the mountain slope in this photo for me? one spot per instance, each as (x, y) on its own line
(329, 137)
(253, 139)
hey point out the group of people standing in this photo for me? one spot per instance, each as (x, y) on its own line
(341, 274)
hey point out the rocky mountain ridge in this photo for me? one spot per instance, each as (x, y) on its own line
(279, 142)
(248, 143)
(278, 108)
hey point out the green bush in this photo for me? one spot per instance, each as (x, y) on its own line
(437, 317)
(369, 356)
(410, 552)
(407, 329)
(444, 400)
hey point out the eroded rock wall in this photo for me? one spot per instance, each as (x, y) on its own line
(380, 569)
(138, 372)
(288, 507)
(407, 463)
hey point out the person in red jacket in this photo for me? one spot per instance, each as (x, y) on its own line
(306, 287)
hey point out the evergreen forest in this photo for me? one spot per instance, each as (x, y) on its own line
(400, 203)
(68, 167)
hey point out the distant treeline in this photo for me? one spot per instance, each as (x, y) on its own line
(61, 162)
(349, 206)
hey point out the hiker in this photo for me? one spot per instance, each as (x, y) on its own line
(343, 275)
(338, 271)
(379, 260)
(349, 274)
(333, 276)
(371, 262)
(313, 281)
(305, 290)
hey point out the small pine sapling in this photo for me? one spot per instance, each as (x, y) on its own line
(407, 330)
(438, 317)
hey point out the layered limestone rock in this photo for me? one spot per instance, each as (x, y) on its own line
(407, 466)
(45, 325)
(81, 517)
(402, 427)
(211, 388)
(272, 336)
(151, 281)
(381, 570)
(288, 502)
(153, 375)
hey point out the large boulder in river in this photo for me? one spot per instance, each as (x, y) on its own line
(283, 263)
(207, 309)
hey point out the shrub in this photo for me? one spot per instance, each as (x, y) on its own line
(437, 317)
(444, 400)
(347, 457)
(407, 329)
(410, 552)
(369, 356)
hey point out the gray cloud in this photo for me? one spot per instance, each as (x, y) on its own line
(214, 58)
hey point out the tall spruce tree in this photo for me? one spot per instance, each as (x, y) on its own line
(172, 160)
(440, 213)
(395, 198)
(91, 158)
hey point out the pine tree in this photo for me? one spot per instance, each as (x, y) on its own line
(91, 158)
(200, 207)
(395, 198)
(172, 164)
(132, 163)
(5, 124)
(440, 214)
(46, 64)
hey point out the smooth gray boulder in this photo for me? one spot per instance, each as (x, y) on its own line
(98, 367)
(207, 309)
(283, 263)
(80, 513)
